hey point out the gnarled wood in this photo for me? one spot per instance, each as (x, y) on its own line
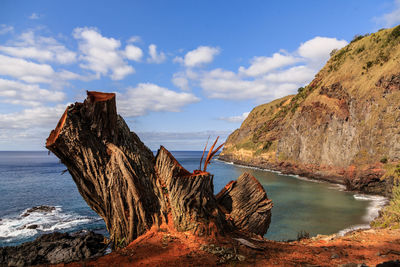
(120, 179)
(246, 204)
(190, 196)
(112, 168)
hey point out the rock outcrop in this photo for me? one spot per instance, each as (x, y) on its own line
(342, 127)
(53, 249)
(133, 191)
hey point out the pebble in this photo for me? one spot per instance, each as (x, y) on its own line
(335, 256)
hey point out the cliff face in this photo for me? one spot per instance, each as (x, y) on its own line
(340, 127)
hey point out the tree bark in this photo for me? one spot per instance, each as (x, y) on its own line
(246, 204)
(121, 180)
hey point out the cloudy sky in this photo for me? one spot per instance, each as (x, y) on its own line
(182, 70)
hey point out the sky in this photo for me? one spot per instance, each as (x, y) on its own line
(181, 70)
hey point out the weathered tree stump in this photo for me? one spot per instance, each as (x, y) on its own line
(246, 203)
(121, 180)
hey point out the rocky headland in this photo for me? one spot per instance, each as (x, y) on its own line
(343, 127)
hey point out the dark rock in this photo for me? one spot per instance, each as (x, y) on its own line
(395, 263)
(32, 226)
(41, 208)
(53, 249)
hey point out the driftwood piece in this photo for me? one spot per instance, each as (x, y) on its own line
(121, 180)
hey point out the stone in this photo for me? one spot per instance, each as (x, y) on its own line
(53, 249)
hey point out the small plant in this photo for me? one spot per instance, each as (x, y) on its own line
(397, 170)
(121, 243)
(358, 37)
(303, 235)
(267, 145)
(360, 49)
(384, 160)
(333, 52)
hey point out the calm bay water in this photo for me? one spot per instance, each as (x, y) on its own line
(29, 179)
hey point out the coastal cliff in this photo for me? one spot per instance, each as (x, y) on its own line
(342, 127)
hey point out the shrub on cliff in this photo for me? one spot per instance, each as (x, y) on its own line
(390, 215)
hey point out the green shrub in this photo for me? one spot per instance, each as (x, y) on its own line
(390, 215)
(384, 160)
(358, 37)
(267, 145)
(360, 49)
(395, 32)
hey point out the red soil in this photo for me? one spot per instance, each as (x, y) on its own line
(164, 248)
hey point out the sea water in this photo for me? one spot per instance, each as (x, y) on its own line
(29, 179)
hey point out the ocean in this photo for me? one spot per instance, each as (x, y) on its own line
(29, 179)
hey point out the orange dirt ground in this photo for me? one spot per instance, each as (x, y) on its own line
(165, 248)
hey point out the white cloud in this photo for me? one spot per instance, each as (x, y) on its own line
(29, 128)
(267, 77)
(147, 97)
(317, 49)
(14, 92)
(37, 117)
(133, 53)
(296, 74)
(392, 18)
(155, 57)
(101, 54)
(43, 49)
(180, 81)
(134, 39)
(262, 65)
(199, 56)
(236, 119)
(34, 16)
(5, 29)
(25, 70)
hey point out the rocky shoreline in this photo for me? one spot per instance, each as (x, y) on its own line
(54, 248)
(366, 181)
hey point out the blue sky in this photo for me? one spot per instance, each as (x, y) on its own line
(182, 70)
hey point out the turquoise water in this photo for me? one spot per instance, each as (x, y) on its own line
(29, 179)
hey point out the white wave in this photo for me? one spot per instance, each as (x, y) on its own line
(353, 228)
(376, 204)
(15, 228)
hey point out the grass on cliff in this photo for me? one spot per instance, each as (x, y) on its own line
(390, 215)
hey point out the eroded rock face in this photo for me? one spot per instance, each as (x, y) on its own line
(53, 249)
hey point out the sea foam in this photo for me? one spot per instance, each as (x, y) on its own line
(375, 205)
(16, 228)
